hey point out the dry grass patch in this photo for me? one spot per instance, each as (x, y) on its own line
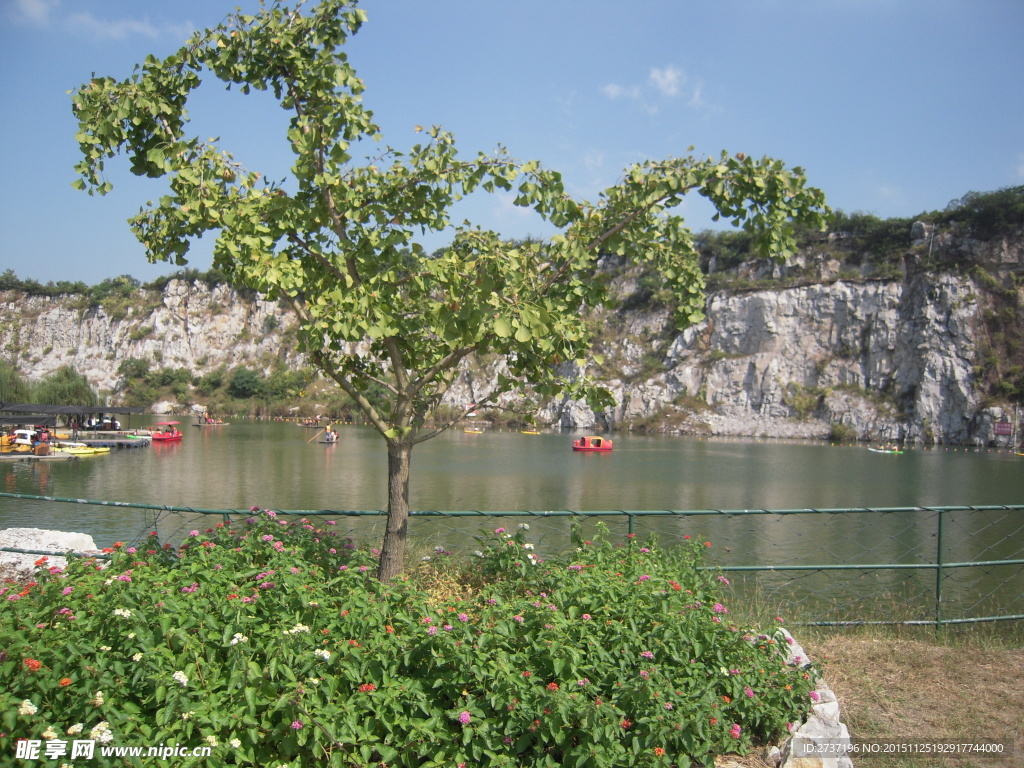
(894, 688)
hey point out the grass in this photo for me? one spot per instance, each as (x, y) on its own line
(899, 683)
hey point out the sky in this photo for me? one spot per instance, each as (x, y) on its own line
(892, 107)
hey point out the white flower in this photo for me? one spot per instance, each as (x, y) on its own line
(211, 740)
(108, 582)
(527, 546)
(131, 635)
(49, 733)
(137, 657)
(180, 677)
(101, 732)
(323, 653)
(523, 526)
(238, 637)
(104, 647)
(296, 629)
(27, 708)
(76, 728)
(97, 700)
(235, 743)
(478, 553)
(187, 715)
(122, 612)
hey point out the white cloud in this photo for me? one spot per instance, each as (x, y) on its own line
(662, 83)
(36, 12)
(118, 29)
(667, 80)
(615, 91)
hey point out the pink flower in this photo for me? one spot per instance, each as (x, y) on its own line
(815, 696)
(297, 725)
(735, 731)
(719, 608)
(749, 691)
(646, 655)
(464, 717)
(463, 617)
(585, 617)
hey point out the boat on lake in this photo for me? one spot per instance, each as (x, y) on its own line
(81, 449)
(885, 449)
(592, 444)
(169, 434)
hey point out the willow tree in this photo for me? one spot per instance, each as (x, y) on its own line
(336, 241)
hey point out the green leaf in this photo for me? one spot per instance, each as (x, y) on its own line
(502, 328)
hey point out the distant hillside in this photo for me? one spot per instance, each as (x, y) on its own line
(893, 329)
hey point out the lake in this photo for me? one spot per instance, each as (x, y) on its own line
(281, 465)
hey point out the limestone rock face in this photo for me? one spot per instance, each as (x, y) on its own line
(887, 359)
(187, 326)
(878, 359)
(20, 566)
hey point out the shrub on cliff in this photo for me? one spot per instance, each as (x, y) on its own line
(273, 645)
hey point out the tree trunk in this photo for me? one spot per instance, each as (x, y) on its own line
(393, 549)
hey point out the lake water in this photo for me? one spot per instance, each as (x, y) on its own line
(281, 465)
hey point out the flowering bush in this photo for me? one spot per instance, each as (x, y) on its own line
(273, 643)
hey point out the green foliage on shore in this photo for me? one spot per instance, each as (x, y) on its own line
(271, 643)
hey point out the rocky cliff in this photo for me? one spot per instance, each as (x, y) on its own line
(891, 359)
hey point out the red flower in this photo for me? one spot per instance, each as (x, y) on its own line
(32, 664)
(552, 686)
(42, 560)
(675, 585)
(626, 724)
(65, 681)
(707, 543)
(658, 751)
(367, 687)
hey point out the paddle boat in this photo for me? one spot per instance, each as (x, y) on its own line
(592, 444)
(529, 432)
(81, 449)
(885, 449)
(169, 434)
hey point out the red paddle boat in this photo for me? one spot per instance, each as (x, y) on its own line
(592, 444)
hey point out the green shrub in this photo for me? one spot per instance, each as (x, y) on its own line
(272, 643)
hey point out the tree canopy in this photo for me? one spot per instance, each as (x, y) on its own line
(387, 321)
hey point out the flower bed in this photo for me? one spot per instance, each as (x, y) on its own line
(272, 643)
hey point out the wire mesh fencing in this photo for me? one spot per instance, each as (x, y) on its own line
(905, 565)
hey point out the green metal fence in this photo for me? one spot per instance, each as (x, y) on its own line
(896, 565)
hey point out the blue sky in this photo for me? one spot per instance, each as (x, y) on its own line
(893, 107)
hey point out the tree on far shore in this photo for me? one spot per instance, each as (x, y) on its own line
(387, 321)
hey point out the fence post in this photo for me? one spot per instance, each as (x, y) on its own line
(938, 572)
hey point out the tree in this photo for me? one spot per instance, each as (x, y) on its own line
(337, 243)
(13, 387)
(65, 386)
(246, 383)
